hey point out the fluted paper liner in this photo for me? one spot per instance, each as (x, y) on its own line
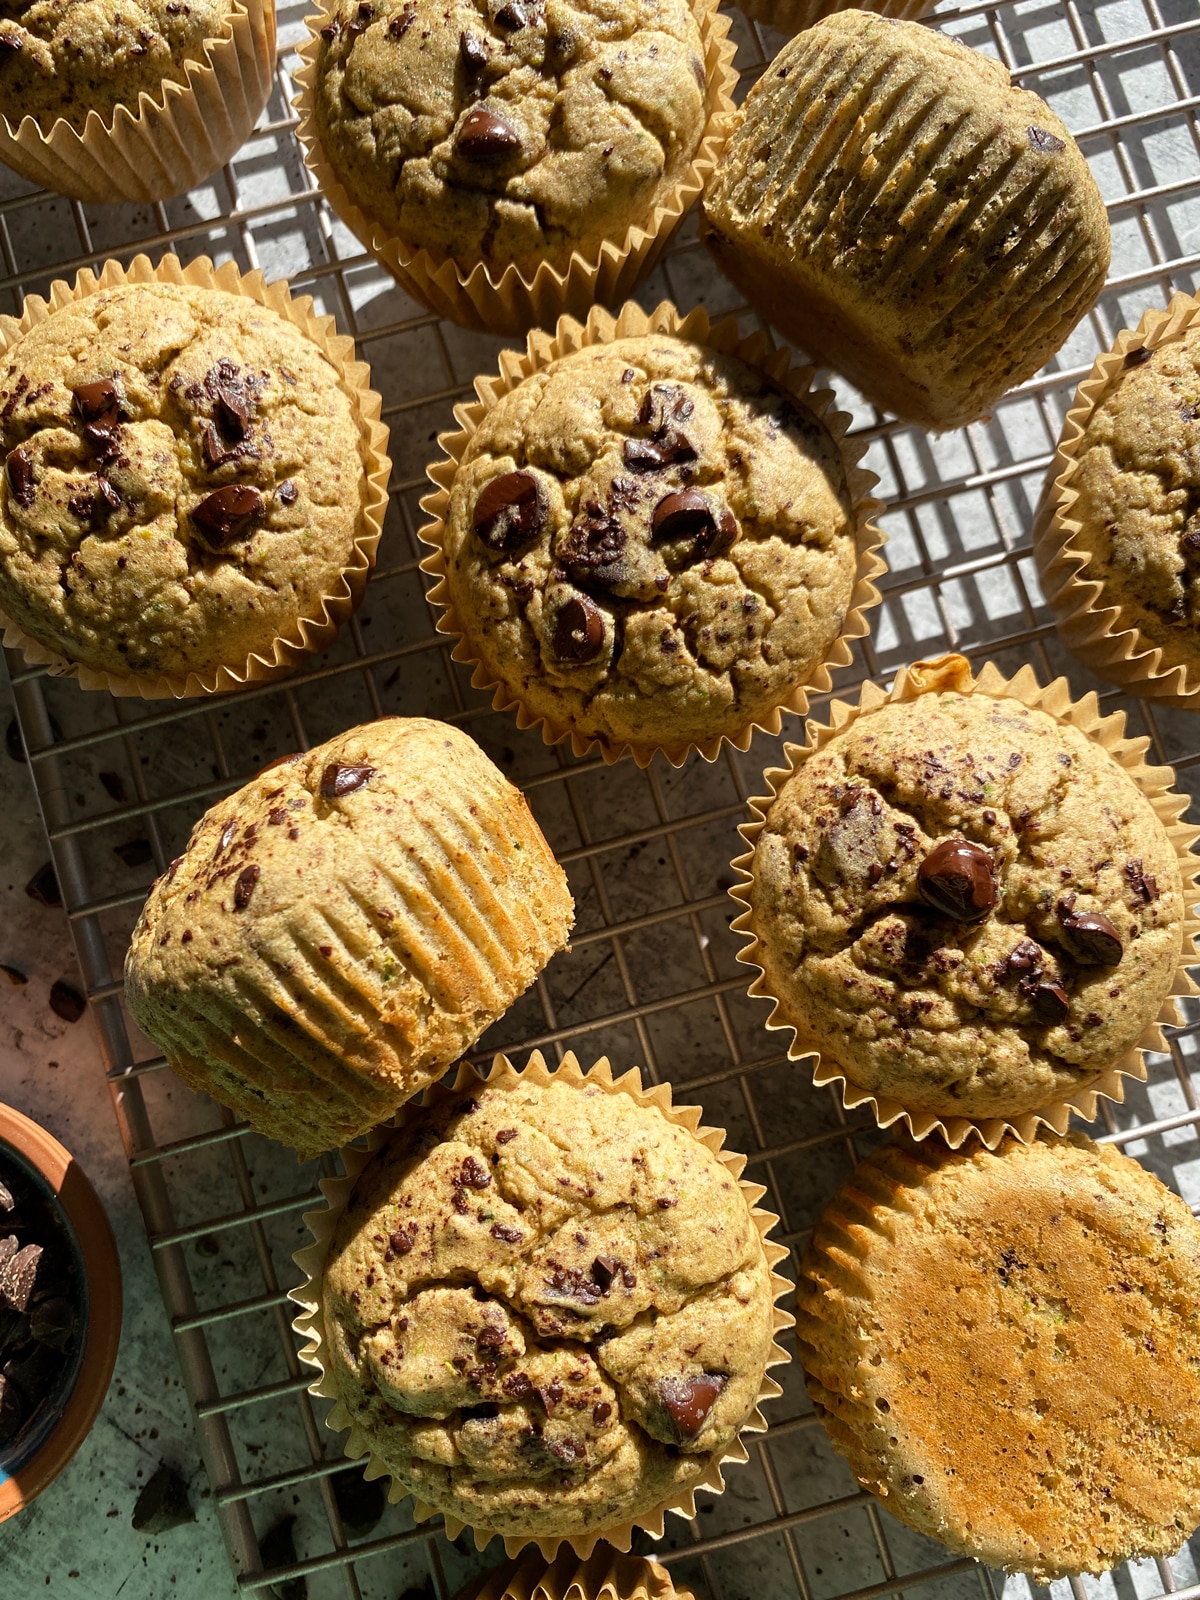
(311, 633)
(311, 1260)
(602, 327)
(1106, 636)
(503, 299)
(793, 16)
(168, 143)
(605, 1575)
(952, 673)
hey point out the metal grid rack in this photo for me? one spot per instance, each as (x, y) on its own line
(650, 976)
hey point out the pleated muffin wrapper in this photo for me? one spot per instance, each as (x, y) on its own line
(605, 1575)
(310, 1323)
(952, 673)
(1105, 636)
(602, 327)
(504, 299)
(167, 143)
(793, 16)
(310, 633)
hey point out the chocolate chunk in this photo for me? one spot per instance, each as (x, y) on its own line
(402, 21)
(361, 1502)
(98, 504)
(601, 1412)
(956, 878)
(664, 404)
(1089, 936)
(1135, 358)
(474, 1174)
(244, 887)
(1025, 956)
(1050, 1003)
(1047, 143)
(18, 467)
(232, 401)
(592, 551)
(66, 1001)
(578, 630)
(688, 1401)
(98, 407)
(551, 1396)
(506, 1234)
(401, 1241)
(483, 136)
(18, 1273)
(228, 513)
(134, 854)
(216, 452)
(848, 847)
(1141, 885)
(473, 51)
(604, 1270)
(6, 1198)
(511, 511)
(362, 17)
(688, 515)
(162, 1503)
(332, 30)
(340, 779)
(514, 14)
(43, 886)
(288, 492)
(506, 1135)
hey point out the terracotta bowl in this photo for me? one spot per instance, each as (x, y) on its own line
(67, 1415)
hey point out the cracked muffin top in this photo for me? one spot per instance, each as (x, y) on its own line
(548, 1307)
(650, 542)
(182, 480)
(64, 58)
(1137, 476)
(967, 905)
(510, 131)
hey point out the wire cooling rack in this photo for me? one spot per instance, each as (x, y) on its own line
(650, 977)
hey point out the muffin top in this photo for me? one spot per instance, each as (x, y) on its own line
(651, 542)
(1007, 1348)
(64, 58)
(966, 905)
(1137, 476)
(344, 927)
(514, 132)
(548, 1307)
(182, 480)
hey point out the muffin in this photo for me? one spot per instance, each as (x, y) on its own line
(185, 484)
(650, 543)
(1120, 559)
(134, 101)
(546, 1306)
(791, 16)
(1006, 1348)
(921, 226)
(966, 904)
(344, 927)
(513, 134)
(604, 1576)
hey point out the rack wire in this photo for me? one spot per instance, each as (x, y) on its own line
(650, 977)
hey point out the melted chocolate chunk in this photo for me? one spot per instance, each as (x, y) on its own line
(339, 779)
(688, 515)
(228, 513)
(98, 407)
(956, 878)
(510, 511)
(688, 1401)
(593, 549)
(1048, 143)
(1050, 1003)
(232, 399)
(18, 468)
(473, 52)
(1089, 936)
(483, 136)
(247, 878)
(578, 631)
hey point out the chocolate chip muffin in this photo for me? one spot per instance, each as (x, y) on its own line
(183, 482)
(65, 58)
(967, 905)
(897, 207)
(547, 1307)
(343, 928)
(649, 542)
(1006, 1348)
(512, 133)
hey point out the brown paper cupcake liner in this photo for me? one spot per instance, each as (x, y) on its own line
(602, 327)
(310, 1323)
(1106, 637)
(605, 1575)
(311, 633)
(504, 300)
(951, 672)
(168, 144)
(793, 16)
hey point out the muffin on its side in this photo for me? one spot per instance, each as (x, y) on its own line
(343, 928)
(892, 203)
(1006, 1347)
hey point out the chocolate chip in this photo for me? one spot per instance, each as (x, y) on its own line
(1135, 358)
(511, 510)
(578, 630)
(402, 1240)
(483, 136)
(688, 1401)
(505, 1135)
(339, 779)
(1047, 143)
(66, 1001)
(1050, 1003)
(43, 886)
(228, 513)
(288, 492)
(956, 879)
(244, 887)
(18, 467)
(688, 515)
(473, 51)
(506, 1234)
(1089, 936)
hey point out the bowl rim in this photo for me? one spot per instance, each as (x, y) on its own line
(73, 1191)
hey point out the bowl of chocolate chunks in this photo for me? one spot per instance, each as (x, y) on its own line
(60, 1308)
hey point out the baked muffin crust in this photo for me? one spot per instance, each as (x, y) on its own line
(510, 133)
(967, 905)
(547, 1306)
(649, 542)
(1006, 1347)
